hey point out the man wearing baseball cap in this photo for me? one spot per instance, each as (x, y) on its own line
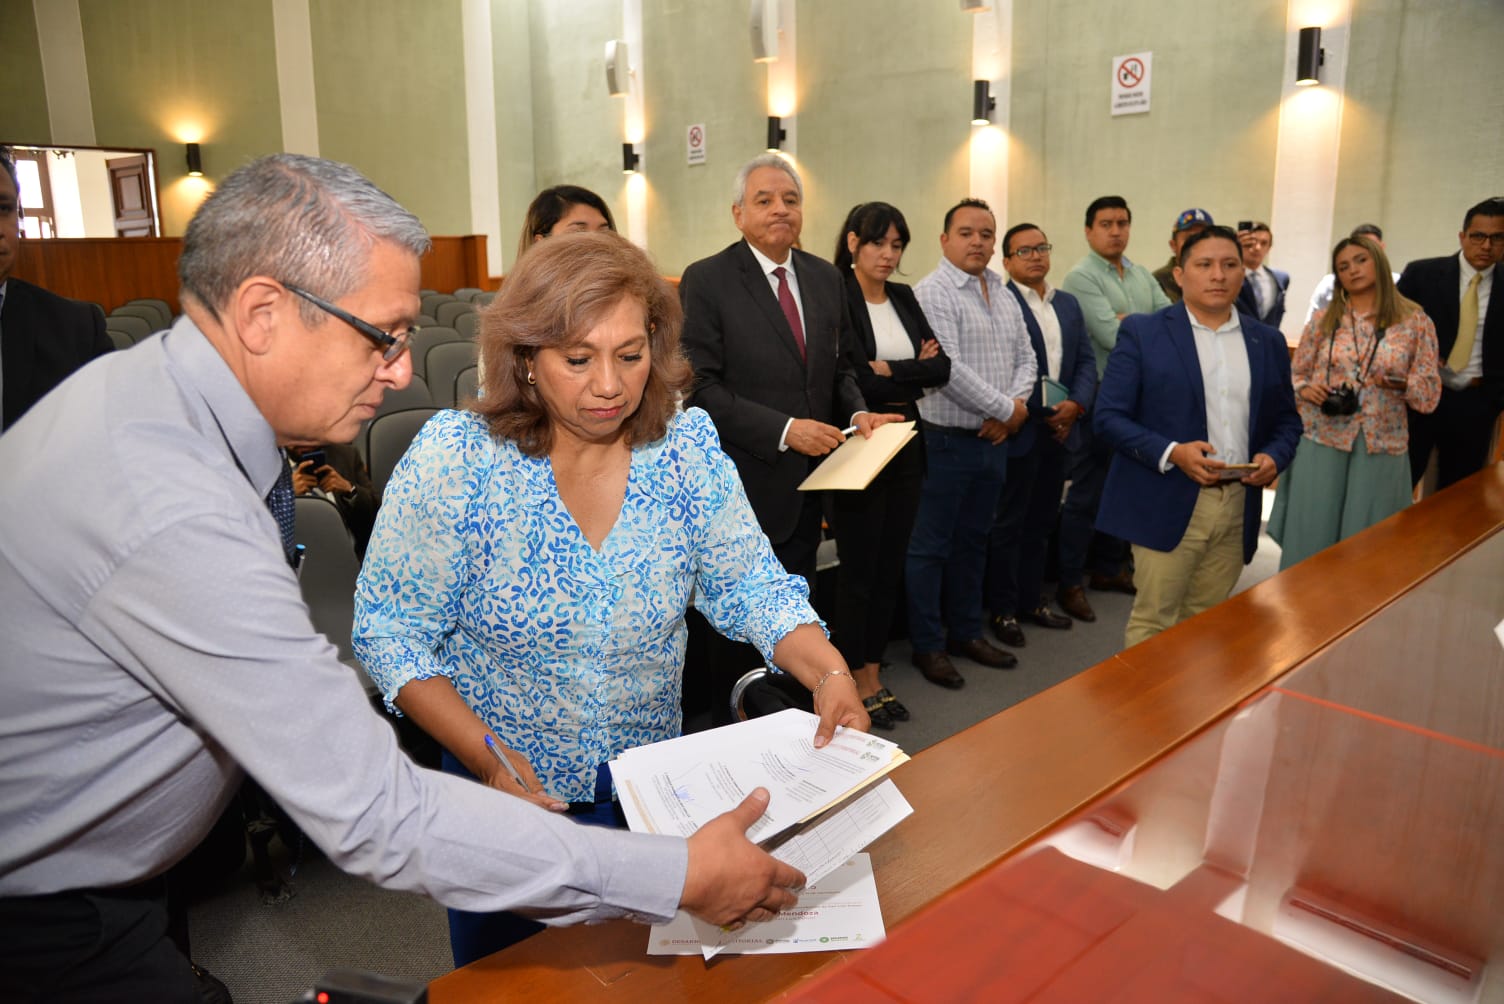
(1192, 221)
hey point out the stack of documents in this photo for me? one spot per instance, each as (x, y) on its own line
(825, 806)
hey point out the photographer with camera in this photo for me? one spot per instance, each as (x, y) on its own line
(1360, 363)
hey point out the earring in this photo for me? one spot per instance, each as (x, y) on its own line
(530, 380)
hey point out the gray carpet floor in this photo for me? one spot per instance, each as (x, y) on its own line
(272, 954)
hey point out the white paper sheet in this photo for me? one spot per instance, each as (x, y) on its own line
(679, 785)
(837, 914)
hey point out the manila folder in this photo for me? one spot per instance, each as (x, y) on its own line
(857, 461)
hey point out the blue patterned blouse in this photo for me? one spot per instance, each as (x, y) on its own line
(476, 571)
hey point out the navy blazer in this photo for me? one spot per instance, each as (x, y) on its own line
(1078, 368)
(910, 376)
(1435, 284)
(1152, 395)
(1276, 313)
(43, 339)
(751, 378)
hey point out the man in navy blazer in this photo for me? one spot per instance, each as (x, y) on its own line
(1472, 375)
(43, 337)
(1198, 406)
(1017, 545)
(1263, 294)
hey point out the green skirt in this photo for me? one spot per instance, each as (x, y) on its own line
(1327, 495)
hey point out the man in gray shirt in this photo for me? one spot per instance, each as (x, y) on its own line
(156, 643)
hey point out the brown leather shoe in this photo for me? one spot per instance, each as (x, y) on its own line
(937, 668)
(1072, 600)
(982, 651)
(1119, 583)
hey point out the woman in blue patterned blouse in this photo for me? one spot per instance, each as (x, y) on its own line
(533, 558)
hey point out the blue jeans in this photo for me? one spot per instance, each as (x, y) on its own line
(473, 935)
(948, 547)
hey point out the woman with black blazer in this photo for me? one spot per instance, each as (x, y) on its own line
(896, 357)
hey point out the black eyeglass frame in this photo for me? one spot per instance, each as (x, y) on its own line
(1031, 251)
(391, 346)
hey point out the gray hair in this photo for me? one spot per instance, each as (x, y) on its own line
(300, 220)
(765, 160)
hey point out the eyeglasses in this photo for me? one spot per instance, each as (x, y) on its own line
(1030, 252)
(391, 345)
(1480, 238)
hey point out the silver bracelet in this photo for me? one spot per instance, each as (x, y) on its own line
(815, 694)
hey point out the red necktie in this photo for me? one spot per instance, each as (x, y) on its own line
(790, 308)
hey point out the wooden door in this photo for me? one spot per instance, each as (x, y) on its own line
(130, 190)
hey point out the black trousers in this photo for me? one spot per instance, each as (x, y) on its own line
(98, 946)
(1018, 544)
(1459, 430)
(730, 659)
(872, 536)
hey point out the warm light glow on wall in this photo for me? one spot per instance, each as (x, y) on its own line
(636, 186)
(186, 130)
(781, 99)
(1316, 13)
(1314, 110)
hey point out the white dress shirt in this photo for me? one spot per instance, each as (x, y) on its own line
(1049, 326)
(1225, 381)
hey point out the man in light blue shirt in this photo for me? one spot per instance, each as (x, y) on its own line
(157, 644)
(1109, 288)
(981, 328)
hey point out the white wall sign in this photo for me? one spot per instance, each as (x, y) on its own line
(1130, 83)
(695, 144)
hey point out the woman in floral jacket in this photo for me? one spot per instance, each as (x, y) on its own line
(1359, 364)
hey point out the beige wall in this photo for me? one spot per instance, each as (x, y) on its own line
(166, 72)
(1423, 123)
(390, 81)
(884, 116)
(699, 70)
(24, 120)
(883, 92)
(1207, 142)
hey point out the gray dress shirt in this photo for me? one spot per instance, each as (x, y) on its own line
(156, 643)
(991, 359)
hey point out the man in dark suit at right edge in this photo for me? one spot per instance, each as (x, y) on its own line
(1456, 293)
(43, 337)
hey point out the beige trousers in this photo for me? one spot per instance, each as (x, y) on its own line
(1199, 573)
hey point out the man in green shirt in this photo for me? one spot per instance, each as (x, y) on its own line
(1109, 288)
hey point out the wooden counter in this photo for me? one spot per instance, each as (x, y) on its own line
(987, 792)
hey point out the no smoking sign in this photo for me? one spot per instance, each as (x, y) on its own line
(1130, 83)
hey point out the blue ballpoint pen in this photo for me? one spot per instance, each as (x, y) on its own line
(498, 754)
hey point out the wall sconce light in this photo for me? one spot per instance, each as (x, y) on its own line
(1311, 56)
(618, 69)
(631, 160)
(974, 6)
(776, 134)
(195, 161)
(764, 24)
(982, 102)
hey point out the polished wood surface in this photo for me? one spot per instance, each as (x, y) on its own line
(111, 271)
(1051, 929)
(990, 790)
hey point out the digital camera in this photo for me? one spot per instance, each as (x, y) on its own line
(1340, 401)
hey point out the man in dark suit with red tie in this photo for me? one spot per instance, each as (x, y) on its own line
(1458, 293)
(763, 323)
(43, 337)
